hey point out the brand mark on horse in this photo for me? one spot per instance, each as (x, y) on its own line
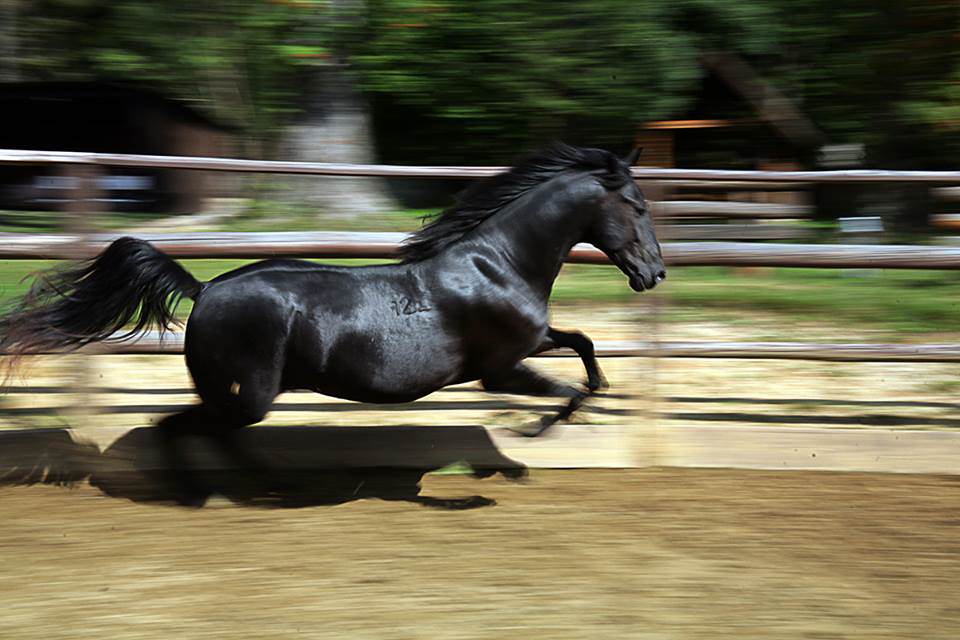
(408, 306)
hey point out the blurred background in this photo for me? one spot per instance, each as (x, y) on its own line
(650, 546)
(780, 85)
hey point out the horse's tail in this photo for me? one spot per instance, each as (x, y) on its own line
(131, 282)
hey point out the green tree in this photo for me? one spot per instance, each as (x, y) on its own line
(480, 81)
(278, 70)
(880, 72)
(237, 61)
(500, 76)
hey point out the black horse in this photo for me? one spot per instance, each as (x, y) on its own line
(468, 301)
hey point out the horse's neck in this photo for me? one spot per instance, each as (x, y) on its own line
(534, 238)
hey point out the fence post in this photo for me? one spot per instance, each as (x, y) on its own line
(80, 207)
(645, 439)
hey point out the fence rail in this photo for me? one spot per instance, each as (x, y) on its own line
(726, 209)
(384, 245)
(19, 156)
(154, 343)
(323, 244)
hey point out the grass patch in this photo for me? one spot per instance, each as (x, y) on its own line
(271, 216)
(459, 468)
(912, 301)
(947, 385)
(57, 221)
(591, 282)
(32, 221)
(255, 215)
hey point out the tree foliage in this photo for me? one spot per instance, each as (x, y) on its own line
(489, 78)
(238, 61)
(880, 72)
(510, 75)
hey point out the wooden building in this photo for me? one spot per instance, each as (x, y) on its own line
(105, 118)
(738, 121)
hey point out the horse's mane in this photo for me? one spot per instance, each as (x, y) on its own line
(487, 197)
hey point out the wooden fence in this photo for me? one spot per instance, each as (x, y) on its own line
(384, 245)
(154, 343)
(324, 244)
(676, 447)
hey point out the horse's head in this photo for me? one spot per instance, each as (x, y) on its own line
(623, 229)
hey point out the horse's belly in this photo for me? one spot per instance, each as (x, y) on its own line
(378, 384)
(368, 367)
(363, 393)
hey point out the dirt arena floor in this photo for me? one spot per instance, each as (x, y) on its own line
(657, 553)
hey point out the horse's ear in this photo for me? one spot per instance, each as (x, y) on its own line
(633, 156)
(613, 164)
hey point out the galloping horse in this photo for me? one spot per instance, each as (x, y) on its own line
(467, 301)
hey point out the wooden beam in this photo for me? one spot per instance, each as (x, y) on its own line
(15, 156)
(384, 245)
(690, 124)
(736, 232)
(172, 343)
(848, 256)
(727, 209)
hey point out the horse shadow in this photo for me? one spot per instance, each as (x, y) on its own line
(302, 466)
(45, 456)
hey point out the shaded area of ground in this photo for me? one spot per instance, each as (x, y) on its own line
(618, 554)
(274, 467)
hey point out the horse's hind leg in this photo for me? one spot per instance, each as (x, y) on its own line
(219, 419)
(524, 380)
(178, 474)
(583, 346)
(238, 404)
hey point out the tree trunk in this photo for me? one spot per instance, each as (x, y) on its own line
(336, 127)
(8, 41)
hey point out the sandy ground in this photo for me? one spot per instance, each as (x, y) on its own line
(141, 389)
(577, 554)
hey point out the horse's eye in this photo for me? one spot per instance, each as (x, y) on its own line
(640, 207)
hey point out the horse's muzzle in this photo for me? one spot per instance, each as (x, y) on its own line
(641, 275)
(640, 281)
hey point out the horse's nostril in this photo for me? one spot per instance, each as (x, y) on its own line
(661, 276)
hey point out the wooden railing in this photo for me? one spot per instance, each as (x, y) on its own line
(323, 244)
(171, 343)
(17, 156)
(384, 245)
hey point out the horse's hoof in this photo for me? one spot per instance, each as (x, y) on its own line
(463, 504)
(515, 473)
(192, 501)
(478, 501)
(472, 502)
(532, 430)
(598, 384)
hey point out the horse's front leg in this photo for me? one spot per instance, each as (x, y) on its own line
(583, 346)
(524, 380)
